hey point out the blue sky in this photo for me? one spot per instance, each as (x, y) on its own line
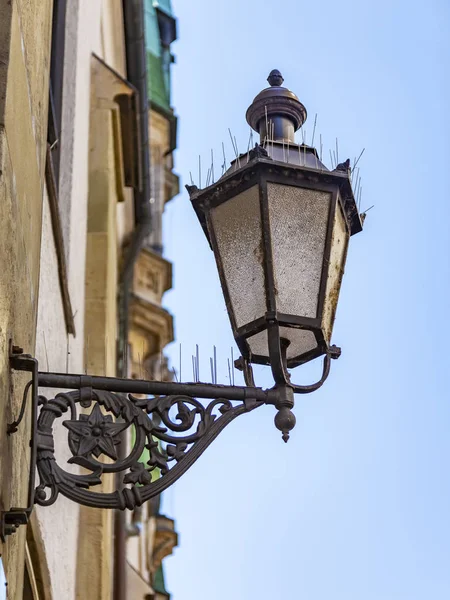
(356, 505)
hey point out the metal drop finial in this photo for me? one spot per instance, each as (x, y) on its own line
(275, 78)
(285, 421)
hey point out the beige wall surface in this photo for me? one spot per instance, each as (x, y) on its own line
(24, 63)
(73, 544)
(59, 522)
(78, 540)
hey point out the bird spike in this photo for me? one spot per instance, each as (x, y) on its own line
(357, 161)
(314, 130)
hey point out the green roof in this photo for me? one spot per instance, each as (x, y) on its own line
(158, 60)
(158, 582)
(156, 81)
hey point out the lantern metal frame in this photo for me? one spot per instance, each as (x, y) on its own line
(261, 170)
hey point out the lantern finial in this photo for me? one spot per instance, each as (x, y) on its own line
(275, 78)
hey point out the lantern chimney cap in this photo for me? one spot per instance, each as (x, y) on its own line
(275, 102)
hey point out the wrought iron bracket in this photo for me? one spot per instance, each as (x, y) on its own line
(167, 424)
(11, 519)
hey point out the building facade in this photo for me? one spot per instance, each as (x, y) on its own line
(87, 134)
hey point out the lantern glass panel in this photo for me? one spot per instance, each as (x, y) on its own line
(237, 228)
(298, 221)
(339, 244)
(301, 341)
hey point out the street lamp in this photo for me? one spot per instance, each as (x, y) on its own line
(279, 223)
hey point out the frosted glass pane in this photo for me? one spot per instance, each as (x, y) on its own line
(298, 220)
(301, 341)
(339, 245)
(237, 225)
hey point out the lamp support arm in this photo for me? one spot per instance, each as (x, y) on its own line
(166, 425)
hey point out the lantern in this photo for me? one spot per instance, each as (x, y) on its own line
(279, 224)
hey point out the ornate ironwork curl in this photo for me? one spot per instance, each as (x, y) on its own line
(175, 430)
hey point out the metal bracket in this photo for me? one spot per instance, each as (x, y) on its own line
(333, 353)
(171, 429)
(11, 519)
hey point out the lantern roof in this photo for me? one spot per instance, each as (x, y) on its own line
(260, 163)
(278, 154)
(300, 155)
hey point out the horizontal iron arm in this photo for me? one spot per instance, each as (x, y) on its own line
(152, 388)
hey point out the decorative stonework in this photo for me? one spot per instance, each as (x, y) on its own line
(165, 540)
(152, 276)
(172, 184)
(151, 329)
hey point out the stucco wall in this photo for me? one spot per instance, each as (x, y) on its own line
(31, 309)
(59, 522)
(64, 531)
(78, 540)
(24, 62)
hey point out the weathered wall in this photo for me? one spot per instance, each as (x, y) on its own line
(59, 522)
(78, 540)
(95, 541)
(92, 251)
(75, 544)
(25, 29)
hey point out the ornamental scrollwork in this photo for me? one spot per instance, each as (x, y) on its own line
(167, 435)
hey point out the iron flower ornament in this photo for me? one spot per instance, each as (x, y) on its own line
(95, 434)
